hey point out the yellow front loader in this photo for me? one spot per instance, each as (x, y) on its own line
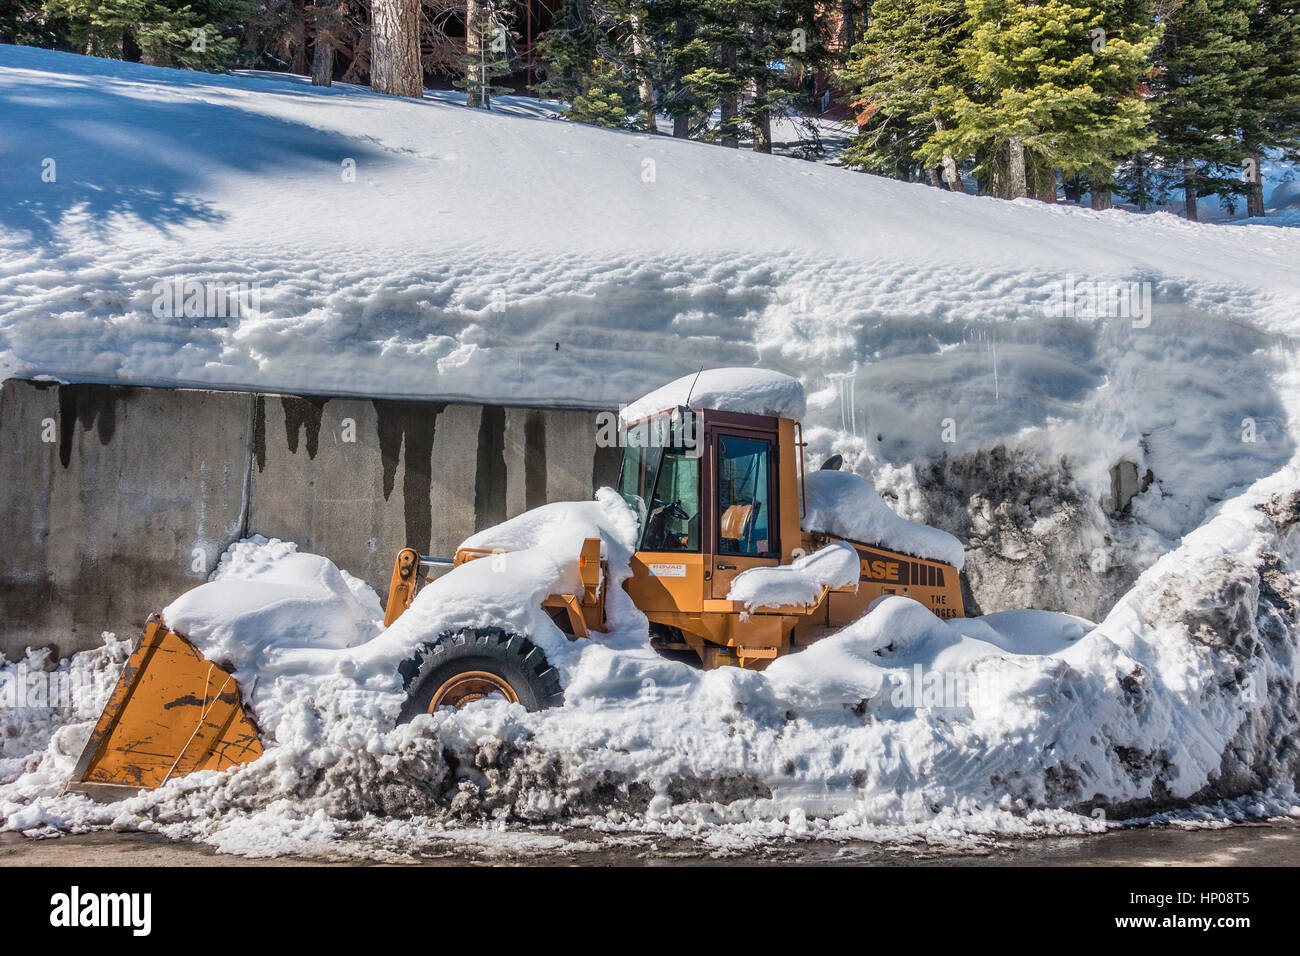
(716, 499)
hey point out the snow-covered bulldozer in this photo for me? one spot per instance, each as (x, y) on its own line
(741, 557)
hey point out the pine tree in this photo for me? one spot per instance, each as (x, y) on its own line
(1045, 94)
(598, 55)
(199, 35)
(679, 51)
(1137, 179)
(906, 75)
(27, 23)
(1203, 73)
(489, 53)
(605, 99)
(1269, 113)
(752, 58)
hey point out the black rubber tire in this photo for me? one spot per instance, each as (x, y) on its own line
(515, 659)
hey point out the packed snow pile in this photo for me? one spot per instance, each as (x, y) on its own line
(748, 391)
(844, 504)
(802, 581)
(293, 628)
(1015, 722)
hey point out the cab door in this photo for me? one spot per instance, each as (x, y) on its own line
(743, 522)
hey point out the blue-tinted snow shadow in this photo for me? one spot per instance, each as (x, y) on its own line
(119, 155)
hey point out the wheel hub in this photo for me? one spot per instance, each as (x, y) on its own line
(470, 686)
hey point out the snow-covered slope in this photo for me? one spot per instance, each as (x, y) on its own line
(423, 249)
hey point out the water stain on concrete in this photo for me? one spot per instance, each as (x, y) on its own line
(259, 432)
(303, 414)
(91, 406)
(490, 476)
(410, 425)
(534, 460)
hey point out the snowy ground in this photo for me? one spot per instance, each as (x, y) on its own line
(968, 355)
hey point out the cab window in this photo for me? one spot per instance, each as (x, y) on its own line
(660, 479)
(673, 523)
(745, 520)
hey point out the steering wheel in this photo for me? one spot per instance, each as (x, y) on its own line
(675, 512)
(657, 523)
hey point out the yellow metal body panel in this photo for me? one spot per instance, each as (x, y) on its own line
(665, 582)
(172, 712)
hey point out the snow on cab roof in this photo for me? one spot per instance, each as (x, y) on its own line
(750, 391)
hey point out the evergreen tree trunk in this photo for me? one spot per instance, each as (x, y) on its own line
(1189, 188)
(395, 48)
(936, 180)
(1044, 182)
(645, 86)
(729, 105)
(299, 28)
(1255, 195)
(763, 132)
(681, 126)
(948, 173)
(762, 121)
(322, 64)
(848, 31)
(475, 95)
(130, 48)
(951, 175)
(1101, 198)
(1016, 187)
(1048, 192)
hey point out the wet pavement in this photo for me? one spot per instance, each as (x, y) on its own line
(1274, 843)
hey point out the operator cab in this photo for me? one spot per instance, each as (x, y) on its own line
(705, 487)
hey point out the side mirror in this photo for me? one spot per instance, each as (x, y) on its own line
(832, 463)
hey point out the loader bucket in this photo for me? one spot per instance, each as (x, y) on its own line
(172, 712)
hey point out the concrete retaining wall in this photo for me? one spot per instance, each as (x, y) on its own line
(118, 499)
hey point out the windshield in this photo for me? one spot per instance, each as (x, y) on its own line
(660, 479)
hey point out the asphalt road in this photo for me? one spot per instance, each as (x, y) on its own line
(1276, 843)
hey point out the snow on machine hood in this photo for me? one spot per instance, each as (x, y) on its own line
(749, 391)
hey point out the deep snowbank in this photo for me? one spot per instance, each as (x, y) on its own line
(927, 327)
